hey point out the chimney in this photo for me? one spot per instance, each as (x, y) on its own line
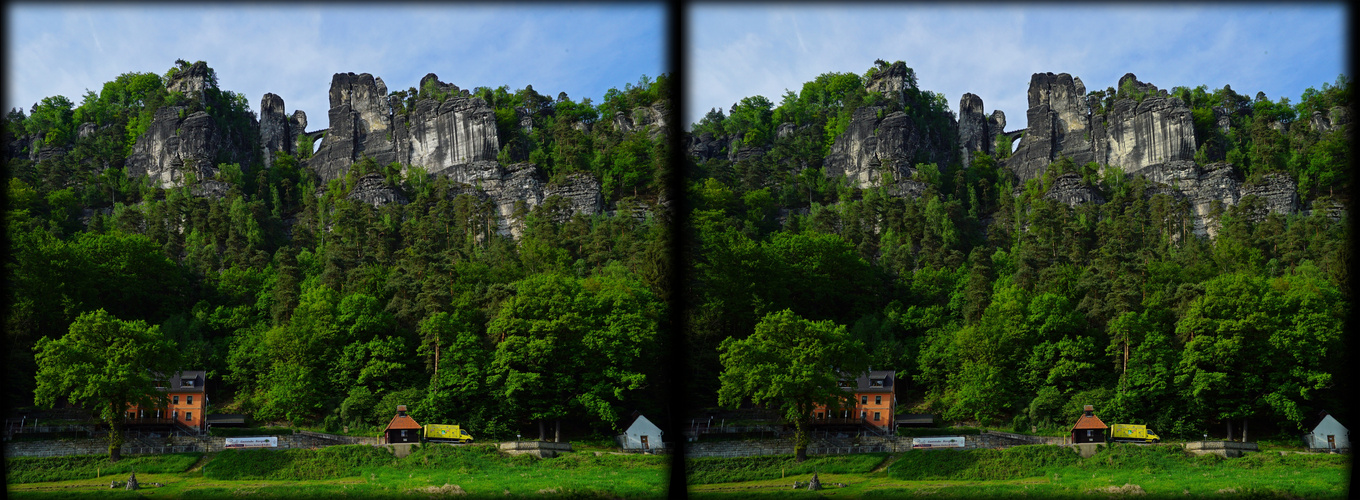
(401, 410)
(1088, 410)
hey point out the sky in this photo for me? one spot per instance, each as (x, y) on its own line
(992, 50)
(294, 50)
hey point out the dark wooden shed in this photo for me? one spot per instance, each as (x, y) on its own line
(1089, 428)
(402, 428)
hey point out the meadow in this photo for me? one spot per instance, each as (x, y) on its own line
(346, 471)
(1031, 471)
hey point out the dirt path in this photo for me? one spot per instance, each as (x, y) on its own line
(203, 460)
(886, 462)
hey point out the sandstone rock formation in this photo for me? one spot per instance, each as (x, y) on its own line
(275, 129)
(372, 189)
(1133, 135)
(175, 145)
(1216, 185)
(438, 136)
(705, 146)
(1070, 190)
(874, 148)
(891, 80)
(360, 125)
(581, 192)
(974, 128)
(1277, 192)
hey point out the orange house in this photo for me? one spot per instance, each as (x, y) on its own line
(185, 403)
(871, 399)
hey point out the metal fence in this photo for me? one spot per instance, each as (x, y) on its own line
(811, 451)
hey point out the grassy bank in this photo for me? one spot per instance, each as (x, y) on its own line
(19, 470)
(368, 472)
(727, 470)
(1044, 471)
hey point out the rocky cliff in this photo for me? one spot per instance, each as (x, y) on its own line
(879, 147)
(185, 139)
(1133, 135)
(177, 144)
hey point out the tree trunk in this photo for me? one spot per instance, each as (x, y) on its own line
(1230, 429)
(116, 440)
(800, 441)
(1126, 355)
(1244, 430)
(541, 432)
(436, 358)
(557, 431)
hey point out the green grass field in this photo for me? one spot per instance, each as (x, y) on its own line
(347, 471)
(1030, 471)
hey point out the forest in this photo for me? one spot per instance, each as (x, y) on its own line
(307, 306)
(999, 306)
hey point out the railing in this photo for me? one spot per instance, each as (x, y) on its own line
(812, 450)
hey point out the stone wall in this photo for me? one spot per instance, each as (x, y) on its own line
(862, 444)
(135, 444)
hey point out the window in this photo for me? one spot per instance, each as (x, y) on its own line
(174, 414)
(176, 398)
(1088, 433)
(820, 416)
(188, 382)
(844, 384)
(864, 400)
(863, 415)
(876, 416)
(132, 415)
(878, 400)
(189, 416)
(188, 400)
(403, 433)
(876, 383)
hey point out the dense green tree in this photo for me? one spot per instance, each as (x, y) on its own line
(106, 365)
(792, 365)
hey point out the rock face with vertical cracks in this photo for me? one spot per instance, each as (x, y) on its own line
(449, 135)
(1070, 190)
(1216, 185)
(439, 136)
(1153, 132)
(275, 134)
(1133, 135)
(974, 128)
(174, 146)
(360, 125)
(372, 189)
(876, 150)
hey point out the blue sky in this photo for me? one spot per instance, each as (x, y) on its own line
(293, 50)
(992, 49)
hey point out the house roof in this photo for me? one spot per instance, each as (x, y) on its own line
(185, 381)
(1089, 422)
(1322, 418)
(865, 382)
(641, 423)
(402, 421)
